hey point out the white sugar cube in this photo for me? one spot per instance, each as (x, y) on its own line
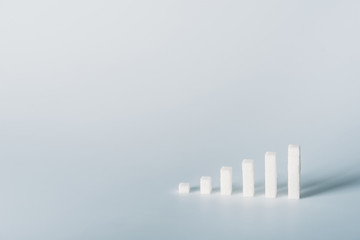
(294, 169)
(205, 185)
(226, 180)
(184, 187)
(270, 175)
(248, 178)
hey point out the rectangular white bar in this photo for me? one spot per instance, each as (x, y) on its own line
(226, 180)
(294, 169)
(248, 178)
(205, 185)
(184, 188)
(270, 175)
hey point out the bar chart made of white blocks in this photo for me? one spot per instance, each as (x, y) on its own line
(248, 177)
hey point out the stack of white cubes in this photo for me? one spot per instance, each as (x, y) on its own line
(205, 185)
(248, 177)
(270, 175)
(294, 171)
(184, 187)
(226, 180)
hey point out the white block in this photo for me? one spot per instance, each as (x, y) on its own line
(248, 178)
(294, 169)
(270, 175)
(205, 185)
(184, 187)
(226, 180)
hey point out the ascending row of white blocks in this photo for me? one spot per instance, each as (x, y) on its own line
(294, 169)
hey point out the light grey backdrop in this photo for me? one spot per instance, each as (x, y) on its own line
(105, 106)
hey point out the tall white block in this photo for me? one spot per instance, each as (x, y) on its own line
(248, 178)
(270, 175)
(294, 169)
(184, 188)
(205, 185)
(226, 180)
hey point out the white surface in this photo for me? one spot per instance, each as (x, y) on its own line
(184, 188)
(248, 178)
(226, 180)
(294, 171)
(205, 185)
(270, 175)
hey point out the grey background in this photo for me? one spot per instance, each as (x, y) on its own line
(105, 106)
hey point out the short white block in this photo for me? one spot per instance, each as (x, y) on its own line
(294, 169)
(184, 187)
(248, 178)
(270, 175)
(226, 180)
(205, 185)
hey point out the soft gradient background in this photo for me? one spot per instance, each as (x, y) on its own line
(105, 106)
